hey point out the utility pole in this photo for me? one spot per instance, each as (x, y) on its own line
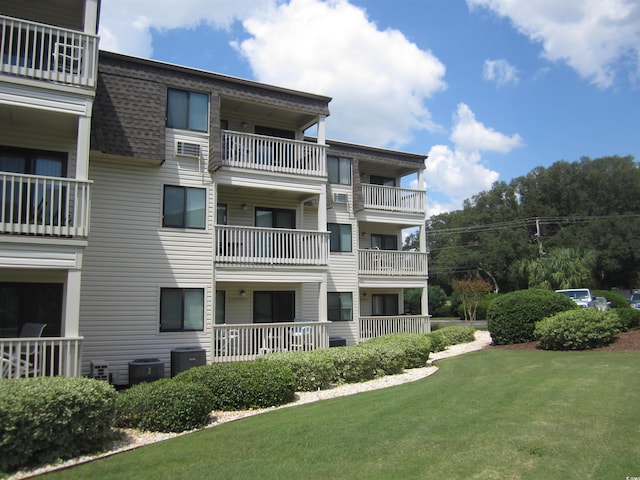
(540, 249)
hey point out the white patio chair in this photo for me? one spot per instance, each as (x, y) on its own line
(27, 361)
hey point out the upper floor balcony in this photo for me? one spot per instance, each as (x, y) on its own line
(392, 263)
(41, 205)
(271, 246)
(44, 52)
(394, 199)
(273, 154)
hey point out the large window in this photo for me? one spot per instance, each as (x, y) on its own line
(340, 306)
(187, 110)
(220, 307)
(384, 242)
(275, 218)
(184, 207)
(339, 170)
(385, 304)
(270, 307)
(340, 237)
(30, 302)
(34, 162)
(386, 181)
(181, 309)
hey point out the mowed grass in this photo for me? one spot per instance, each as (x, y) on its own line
(494, 414)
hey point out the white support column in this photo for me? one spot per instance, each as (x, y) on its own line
(425, 299)
(322, 299)
(83, 146)
(322, 210)
(322, 135)
(71, 308)
(90, 16)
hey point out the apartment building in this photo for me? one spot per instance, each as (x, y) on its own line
(48, 74)
(216, 223)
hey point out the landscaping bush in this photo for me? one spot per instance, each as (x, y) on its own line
(244, 385)
(617, 299)
(483, 306)
(511, 317)
(416, 347)
(455, 334)
(390, 358)
(629, 317)
(577, 330)
(164, 406)
(46, 419)
(353, 364)
(437, 341)
(312, 370)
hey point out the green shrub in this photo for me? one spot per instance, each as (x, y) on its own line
(46, 419)
(617, 299)
(455, 334)
(483, 305)
(511, 317)
(164, 406)
(416, 347)
(353, 364)
(629, 317)
(577, 330)
(312, 370)
(437, 341)
(244, 385)
(390, 358)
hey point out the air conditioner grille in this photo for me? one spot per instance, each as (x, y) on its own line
(100, 370)
(188, 149)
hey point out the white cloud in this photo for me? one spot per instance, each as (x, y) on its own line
(501, 72)
(597, 38)
(125, 25)
(454, 175)
(378, 80)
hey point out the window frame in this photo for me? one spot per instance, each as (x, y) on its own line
(383, 238)
(342, 163)
(170, 122)
(385, 298)
(332, 232)
(338, 296)
(185, 207)
(182, 291)
(273, 294)
(30, 159)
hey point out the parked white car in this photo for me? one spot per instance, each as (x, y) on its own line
(634, 301)
(582, 296)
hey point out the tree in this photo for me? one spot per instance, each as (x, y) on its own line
(470, 292)
(561, 268)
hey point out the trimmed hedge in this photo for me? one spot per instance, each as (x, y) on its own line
(511, 317)
(453, 335)
(390, 358)
(629, 317)
(313, 370)
(243, 385)
(353, 365)
(617, 299)
(46, 419)
(416, 347)
(577, 330)
(164, 406)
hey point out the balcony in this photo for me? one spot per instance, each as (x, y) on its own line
(392, 263)
(271, 246)
(271, 154)
(394, 199)
(39, 205)
(372, 327)
(40, 357)
(43, 52)
(234, 343)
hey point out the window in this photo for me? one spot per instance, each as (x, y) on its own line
(275, 218)
(221, 214)
(385, 304)
(386, 181)
(220, 307)
(34, 162)
(384, 242)
(30, 302)
(339, 170)
(270, 307)
(181, 309)
(187, 110)
(184, 207)
(340, 306)
(340, 237)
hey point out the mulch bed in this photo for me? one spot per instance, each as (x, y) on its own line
(626, 341)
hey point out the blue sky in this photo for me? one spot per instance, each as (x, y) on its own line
(489, 89)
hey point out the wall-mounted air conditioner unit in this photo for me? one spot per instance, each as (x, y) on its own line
(188, 149)
(341, 198)
(100, 370)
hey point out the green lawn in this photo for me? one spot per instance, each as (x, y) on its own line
(494, 414)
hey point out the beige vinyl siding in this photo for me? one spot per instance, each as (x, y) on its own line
(131, 256)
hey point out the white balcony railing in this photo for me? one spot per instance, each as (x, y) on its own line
(40, 357)
(394, 199)
(392, 263)
(273, 154)
(233, 343)
(271, 246)
(372, 327)
(39, 205)
(43, 52)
